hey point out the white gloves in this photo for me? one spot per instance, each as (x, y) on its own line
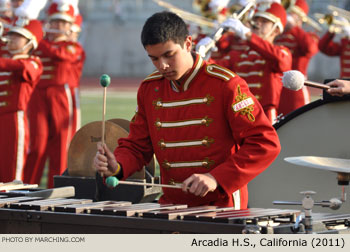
(290, 20)
(201, 45)
(346, 31)
(237, 26)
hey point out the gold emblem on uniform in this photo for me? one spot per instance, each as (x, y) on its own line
(244, 105)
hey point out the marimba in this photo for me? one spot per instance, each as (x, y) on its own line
(66, 215)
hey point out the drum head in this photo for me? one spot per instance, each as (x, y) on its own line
(82, 149)
(322, 131)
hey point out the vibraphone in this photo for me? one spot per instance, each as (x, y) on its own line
(36, 215)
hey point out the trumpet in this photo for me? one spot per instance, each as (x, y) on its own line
(218, 34)
(289, 5)
(187, 15)
(335, 23)
(339, 12)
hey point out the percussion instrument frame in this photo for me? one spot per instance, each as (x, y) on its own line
(45, 222)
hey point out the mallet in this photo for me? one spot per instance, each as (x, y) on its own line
(113, 182)
(105, 80)
(295, 80)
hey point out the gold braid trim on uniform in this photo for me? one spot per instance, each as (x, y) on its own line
(181, 103)
(219, 72)
(205, 163)
(154, 76)
(184, 123)
(206, 142)
(244, 105)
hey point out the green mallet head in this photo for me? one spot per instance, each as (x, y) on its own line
(105, 80)
(112, 181)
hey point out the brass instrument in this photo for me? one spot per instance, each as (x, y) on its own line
(335, 23)
(289, 5)
(191, 17)
(339, 12)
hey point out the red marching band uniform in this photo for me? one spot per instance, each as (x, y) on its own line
(303, 45)
(211, 123)
(342, 49)
(261, 64)
(76, 74)
(51, 106)
(19, 76)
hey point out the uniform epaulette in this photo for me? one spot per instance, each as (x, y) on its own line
(153, 76)
(219, 72)
(285, 50)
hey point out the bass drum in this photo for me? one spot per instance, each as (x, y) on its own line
(321, 128)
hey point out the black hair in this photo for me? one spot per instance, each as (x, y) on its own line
(162, 27)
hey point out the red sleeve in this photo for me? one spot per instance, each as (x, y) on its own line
(258, 140)
(328, 46)
(307, 44)
(69, 51)
(279, 57)
(10, 65)
(227, 61)
(136, 150)
(31, 69)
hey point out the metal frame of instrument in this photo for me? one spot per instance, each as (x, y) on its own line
(23, 215)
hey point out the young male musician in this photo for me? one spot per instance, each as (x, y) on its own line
(261, 63)
(206, 129)
(19, 75)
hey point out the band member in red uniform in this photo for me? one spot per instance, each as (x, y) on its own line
(77, 71)
(262, 63)
(342, 49)
(50, 109)
(206, 129)
(303, 45)
(18, 77)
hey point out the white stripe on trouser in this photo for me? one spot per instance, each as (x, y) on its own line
(306, 95)
(70, 111)
(237, 199)
(77, 108)
(273, 115)
(20, 144)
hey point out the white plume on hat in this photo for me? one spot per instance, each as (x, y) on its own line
(5, 5)
(268, 1)
(218, 4)
(30, 9)
(244, 2)
(75, 4)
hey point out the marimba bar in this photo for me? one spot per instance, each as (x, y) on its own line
(62, 215)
